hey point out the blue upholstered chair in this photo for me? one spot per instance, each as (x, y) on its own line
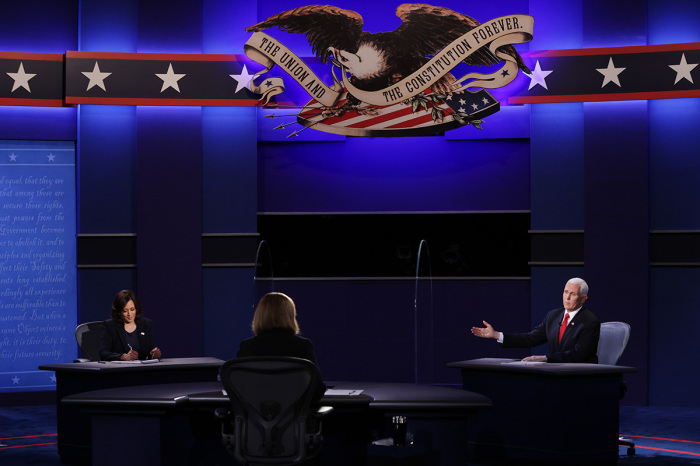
(613, 340)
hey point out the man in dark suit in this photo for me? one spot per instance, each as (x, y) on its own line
(571, 332)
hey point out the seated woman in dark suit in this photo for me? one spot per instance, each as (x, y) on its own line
(127, 335)
(277, 333)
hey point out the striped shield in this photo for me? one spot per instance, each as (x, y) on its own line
(427, 113)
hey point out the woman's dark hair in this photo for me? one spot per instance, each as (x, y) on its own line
(119, 303)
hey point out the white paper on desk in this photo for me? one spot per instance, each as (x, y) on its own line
(525, 363)
(137, 361)
(337, 392)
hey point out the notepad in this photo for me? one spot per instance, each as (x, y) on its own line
(525, 363)
(137, 361)
(337, 392)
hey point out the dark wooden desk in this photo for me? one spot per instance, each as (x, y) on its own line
(544, 412)
(176, 425)
(74, 428)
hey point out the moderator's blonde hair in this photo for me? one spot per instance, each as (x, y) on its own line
(275, 310)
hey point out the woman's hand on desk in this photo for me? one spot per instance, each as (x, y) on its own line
(130, 356)
(155, 353)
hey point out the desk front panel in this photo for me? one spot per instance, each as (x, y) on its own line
(74, 427)
(550, 413)
(356, 421)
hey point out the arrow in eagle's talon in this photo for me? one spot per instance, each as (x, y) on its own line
(272, 115)
(280, 126)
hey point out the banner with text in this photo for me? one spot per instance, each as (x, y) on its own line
(38, 298)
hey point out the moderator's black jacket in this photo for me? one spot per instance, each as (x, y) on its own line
(281, 342)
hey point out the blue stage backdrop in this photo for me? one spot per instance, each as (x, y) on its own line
(37, 261)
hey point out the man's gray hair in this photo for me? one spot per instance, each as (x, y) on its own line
(582, 283)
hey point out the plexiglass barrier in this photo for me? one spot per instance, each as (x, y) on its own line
(264, 276)
(423, 316)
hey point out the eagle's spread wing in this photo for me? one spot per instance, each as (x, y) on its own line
(430, 28)
(324, 25)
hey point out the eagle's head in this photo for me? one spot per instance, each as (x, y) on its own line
(367, 63)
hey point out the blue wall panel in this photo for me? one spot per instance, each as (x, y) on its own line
(617, 224)
(228, 310)
(557, 157)
(673, 21)
(674, 380)
(97, 288)
(223, 25)
(109, 26)
(175, 27)
(394, 174)
(558, 25)
(229, 170)
(614, 30)
(674, 164)
(107, 149)
(169, 224)
(39, 26)
(674, 201)
(38, 123)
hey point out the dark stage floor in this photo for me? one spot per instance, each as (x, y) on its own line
(664, 436)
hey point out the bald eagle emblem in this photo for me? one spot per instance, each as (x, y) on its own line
(403, 82)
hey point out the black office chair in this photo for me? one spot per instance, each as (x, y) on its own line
(88, 337)
(613, 340)
(271, 420)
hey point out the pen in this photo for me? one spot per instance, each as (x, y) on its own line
(130, 348)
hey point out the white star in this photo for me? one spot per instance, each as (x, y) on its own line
(96, 77)
(170, 79)
(461, 110)
(53, 378)
(683, 70)
(21, 78)
(13, 157)
(462, 101)
(51, 157)
(475, 107)
(243, 79)
(611, 73)
(538, 76)
(15, 380)
(485, 101)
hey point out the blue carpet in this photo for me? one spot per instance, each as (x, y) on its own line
(663, 436)
(28, 436)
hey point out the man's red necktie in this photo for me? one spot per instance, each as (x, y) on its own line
(564, 323)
